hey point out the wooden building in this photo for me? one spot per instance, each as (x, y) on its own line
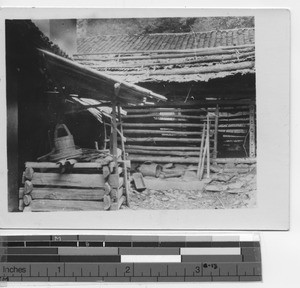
(202, 73)
(45, 90)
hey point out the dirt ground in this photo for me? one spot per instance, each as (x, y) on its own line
(221, 191)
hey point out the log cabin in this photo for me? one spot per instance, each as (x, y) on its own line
(200, 73)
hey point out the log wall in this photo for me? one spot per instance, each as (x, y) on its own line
(173, 134)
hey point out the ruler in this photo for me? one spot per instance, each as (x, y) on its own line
(136, 258)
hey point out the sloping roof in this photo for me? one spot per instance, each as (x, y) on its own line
(164, 41)
(179, 57)
(97, 85)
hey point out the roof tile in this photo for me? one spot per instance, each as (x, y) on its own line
(164, 41)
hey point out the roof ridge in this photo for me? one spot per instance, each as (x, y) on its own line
(178, 33)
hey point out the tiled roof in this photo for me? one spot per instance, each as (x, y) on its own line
(165, 41)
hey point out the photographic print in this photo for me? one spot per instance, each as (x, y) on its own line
(145, 118)
(136, 113)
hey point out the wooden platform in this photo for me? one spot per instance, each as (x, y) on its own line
(85, 187)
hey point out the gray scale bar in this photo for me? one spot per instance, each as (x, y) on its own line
(57, 238)
(91, 238)
(148, 251)
(251, 254)
(117, 238)
(149, 238)
(85, 251)
(31, 250)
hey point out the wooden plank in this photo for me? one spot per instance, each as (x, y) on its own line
(169, 132)
(187, 71)
(150, 109)
(235, 160)
(162, 159)
(101, 65)
(69, 180)
(163, 139)
(51, 165)
(159, 148)
(203, 103)
(238, 115)
(162, 125)
(171, 151)
(64, 205)
(68, 194)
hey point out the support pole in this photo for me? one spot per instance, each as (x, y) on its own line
(215, 152)
(208, 147)
(252, 145)
(124, 158)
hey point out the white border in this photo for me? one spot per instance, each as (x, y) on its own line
(272, 63)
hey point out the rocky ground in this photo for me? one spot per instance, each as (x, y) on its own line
(221, 191)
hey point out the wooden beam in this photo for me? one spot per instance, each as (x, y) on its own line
(64, 205)
(68, 194)
(171, 151)
(163, 139)
(69, 180)
(162, 159)
(162, 125)
(178, 53)
(80, 165)
(187, 71)
(159, 148)
(235, 160)
(103, 65)
(151, 132)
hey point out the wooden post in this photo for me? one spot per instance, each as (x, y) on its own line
(215, 152)
(124, 158)
(201, 152)
(208, 146)
(252, 146)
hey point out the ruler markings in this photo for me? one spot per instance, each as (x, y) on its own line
(136, 258)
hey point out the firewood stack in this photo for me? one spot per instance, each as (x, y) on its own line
(73, 185)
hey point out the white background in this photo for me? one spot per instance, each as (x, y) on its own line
(280, 250)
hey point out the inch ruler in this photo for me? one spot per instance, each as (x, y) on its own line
(120, 258)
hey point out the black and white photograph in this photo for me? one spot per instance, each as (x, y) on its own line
(144, 118)
(131, 113)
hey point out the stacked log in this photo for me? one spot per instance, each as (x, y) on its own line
(89, 186)
(173, 134)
